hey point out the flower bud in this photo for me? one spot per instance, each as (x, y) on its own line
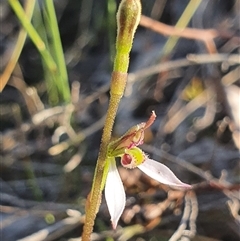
(128, 17)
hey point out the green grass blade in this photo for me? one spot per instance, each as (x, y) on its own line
(56, 49)
(49, 78)
(32, 33)
(17, 48)
(182, 23)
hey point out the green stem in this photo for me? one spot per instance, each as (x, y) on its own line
(58, 51)
(17, 8)
(49, 77)
(128, 17)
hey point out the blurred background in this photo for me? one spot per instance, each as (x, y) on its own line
(50, 135)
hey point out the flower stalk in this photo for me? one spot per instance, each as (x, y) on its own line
(128, 18)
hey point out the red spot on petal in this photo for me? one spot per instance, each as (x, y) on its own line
(126, 159)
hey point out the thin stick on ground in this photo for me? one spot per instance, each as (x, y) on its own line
(192, 59)
(206, 36)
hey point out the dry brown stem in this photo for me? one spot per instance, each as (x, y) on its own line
(206, 36)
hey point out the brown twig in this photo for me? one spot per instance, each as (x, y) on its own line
(234, 208)
(192, 59)
(59, 148)
(184, 112)
(56, 230)
(206, 36)
(29, 94)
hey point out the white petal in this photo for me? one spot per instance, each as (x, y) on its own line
(161, 173)
(114, 194)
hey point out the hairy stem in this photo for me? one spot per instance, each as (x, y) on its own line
(128, 17)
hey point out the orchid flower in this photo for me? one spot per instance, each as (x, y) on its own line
(132, 157)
